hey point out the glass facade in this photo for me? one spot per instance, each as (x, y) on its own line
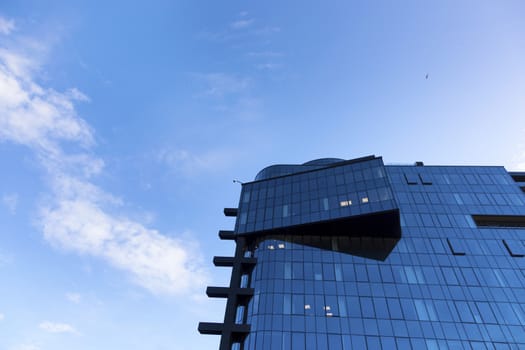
(454, 278)
(334, 191)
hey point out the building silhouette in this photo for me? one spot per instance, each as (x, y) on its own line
(352, 254)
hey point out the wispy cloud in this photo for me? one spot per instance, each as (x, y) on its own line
(78, 216)
(222, 84)
(265, 54)
(74, 297)
(188, 163)
(32, 115)
(268, 30)
(229, 94)
(6, 25)
(245, 108)
(11, 202)
(242, 28)
(267, 60)
(241, 23)
(55, 327)
(268, 66)
(2, 317)
(161, 264)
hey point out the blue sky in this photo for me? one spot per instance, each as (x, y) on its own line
(122, 126)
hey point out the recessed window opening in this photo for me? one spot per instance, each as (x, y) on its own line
(425, 179)
(456, 247)
(518, 177)
(516, 248)
(411, 179)
(516, 221)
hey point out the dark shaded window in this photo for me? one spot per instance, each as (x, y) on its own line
(518, 177)
(456, 246)
(411, 179)
(425, 179)
(499, 220)
(516, 248)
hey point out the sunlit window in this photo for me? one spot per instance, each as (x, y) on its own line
(364, 200)
(345, 203)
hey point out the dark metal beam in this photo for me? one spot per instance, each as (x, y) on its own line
(228, 235)
(230, 211)
(212, 328)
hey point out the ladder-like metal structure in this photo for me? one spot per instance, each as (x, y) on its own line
(234, 328)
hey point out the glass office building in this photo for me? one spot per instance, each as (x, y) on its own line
(352, 254)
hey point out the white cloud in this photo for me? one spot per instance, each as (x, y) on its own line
(77, 215)
(78, 95)
(35, 116)
(54, 327)
(2, 317)
(242, 23)
(11, 202)
(74, 297)
(160, 264)
(6, 25)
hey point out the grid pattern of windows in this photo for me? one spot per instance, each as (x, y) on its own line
(313, 196)
(446, 284)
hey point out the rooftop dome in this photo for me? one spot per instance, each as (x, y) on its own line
(324, 161)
